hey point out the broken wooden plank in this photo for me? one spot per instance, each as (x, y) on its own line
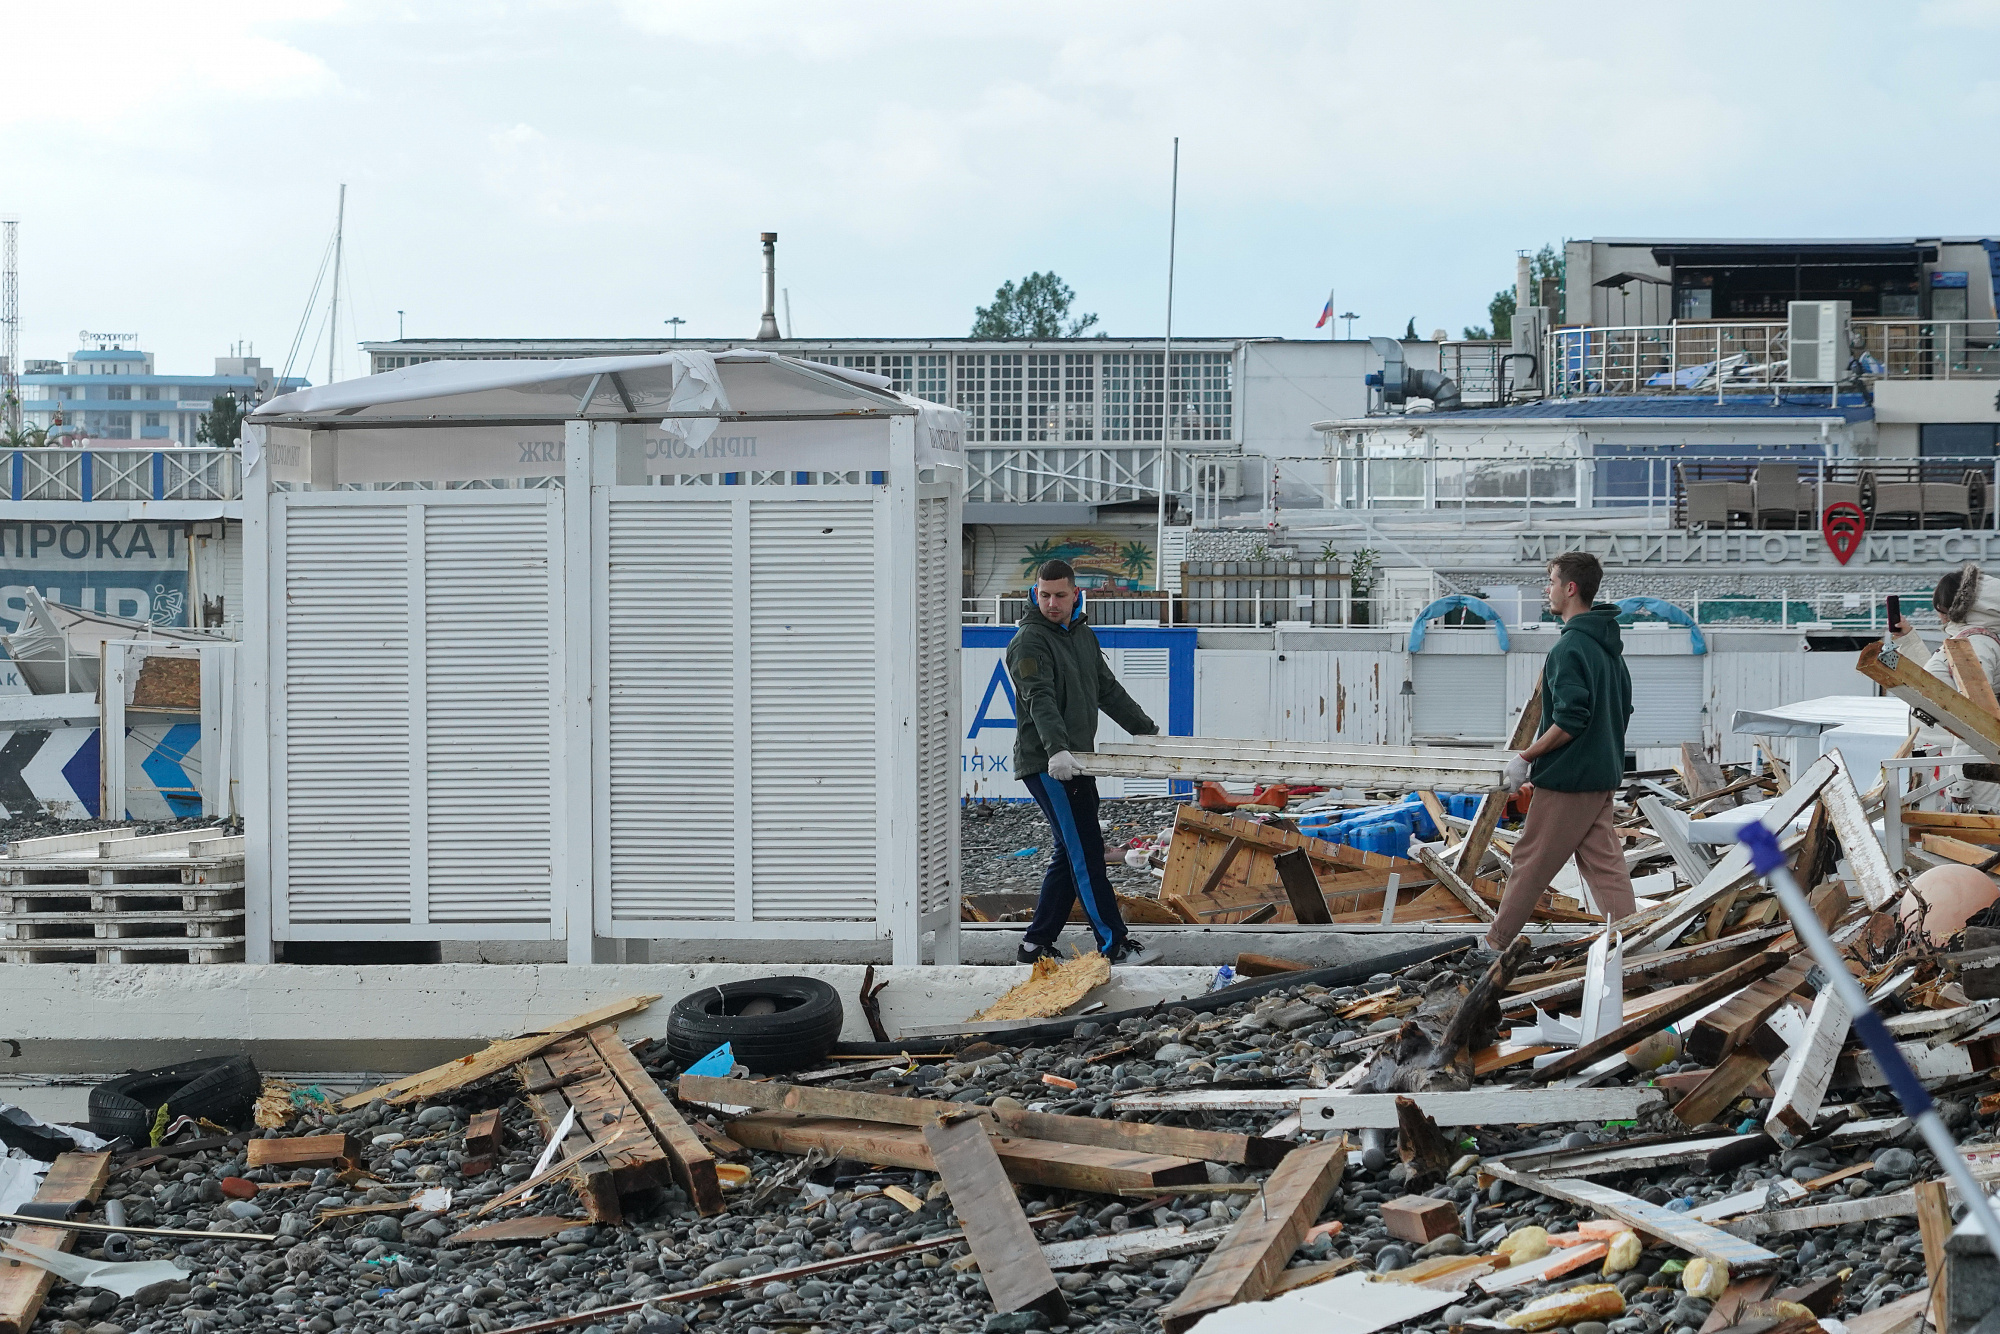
(1697, 996)
(591, 1180)
(1139, 1244)
(1934, 1224)
(73, 1180)
(483, 1135)
(603, 1111)
(1485, 1106)
(1017, 1275)
(1809, 1071)
(495, 1058)
(1029, 1161)
(1690, 1235)
(539, 1227)
(1749, 1201)
(1255, 1252)
(1267, 965)
(1728, 1026)
(1701, 777)
(1050, 988)
(1685, 963)
(305, 1151)
(1213, 1146)
(1723, 1086)
(692, 1164)
(1970, 678)
(1451, 880)
(1905, 1315)
(1295, 872)
(1420, 1218)
(1480, 836)
(1864, 852)
(1907, 680)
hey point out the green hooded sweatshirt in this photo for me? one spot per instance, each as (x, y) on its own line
(1587, 692)
(1061, 679)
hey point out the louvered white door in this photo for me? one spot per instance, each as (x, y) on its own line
(416, 690)
(937, 701)
(740, 634)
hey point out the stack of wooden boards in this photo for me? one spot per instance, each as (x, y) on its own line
(624, 1136)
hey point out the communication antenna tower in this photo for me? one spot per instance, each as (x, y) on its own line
(10, 321)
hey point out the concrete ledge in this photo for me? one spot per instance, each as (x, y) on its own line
(78, 1018)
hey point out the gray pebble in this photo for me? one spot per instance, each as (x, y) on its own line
(1391, 1257)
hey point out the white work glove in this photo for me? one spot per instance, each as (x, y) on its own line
(1517, 773)
(1063, 766)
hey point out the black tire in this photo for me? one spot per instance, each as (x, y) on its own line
(799, 1035)
(220, 1088)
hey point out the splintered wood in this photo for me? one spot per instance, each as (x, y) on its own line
(1051, 989)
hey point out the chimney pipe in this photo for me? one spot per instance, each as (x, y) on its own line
(769, 328)
(1524, 282)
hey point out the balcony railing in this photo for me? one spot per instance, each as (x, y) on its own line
(123, 474)
(1713, 357)
(1831, 613)
(1658, 490)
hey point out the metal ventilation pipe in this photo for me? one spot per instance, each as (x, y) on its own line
(1524, 282)
(769, 328)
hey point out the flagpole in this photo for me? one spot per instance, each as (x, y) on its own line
(1167, 380)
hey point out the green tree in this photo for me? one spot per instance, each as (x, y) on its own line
(222, 424)
(1410, 330)
(1038, 307)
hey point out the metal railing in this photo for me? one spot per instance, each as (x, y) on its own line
(1674, 490)
(1713, 357)
(1062, 474)
(123, 474)
(1830, 613)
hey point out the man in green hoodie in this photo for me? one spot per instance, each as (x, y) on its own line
(1577, 761)
(1061, 679)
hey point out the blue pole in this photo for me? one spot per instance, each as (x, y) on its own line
(1769, 862)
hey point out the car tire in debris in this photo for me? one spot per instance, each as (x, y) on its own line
(221, 1089)
(773, 1025)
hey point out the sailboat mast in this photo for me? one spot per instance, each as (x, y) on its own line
(333, 319)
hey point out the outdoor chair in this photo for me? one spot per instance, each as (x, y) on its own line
(1979, 494)
(1782, 501)
(1833, 493)
(1718, 504)
(1898, 504)
(1947, 501)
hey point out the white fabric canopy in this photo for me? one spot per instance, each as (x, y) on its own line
(743, 382)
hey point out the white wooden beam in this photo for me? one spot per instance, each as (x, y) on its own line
(1492, 1106)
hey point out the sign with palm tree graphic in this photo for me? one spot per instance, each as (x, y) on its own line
(1101, 559)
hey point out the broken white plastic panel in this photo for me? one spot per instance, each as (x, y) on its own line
(549, 1154)
(127, 1280)
(1347, 1304)
(1602, 1006)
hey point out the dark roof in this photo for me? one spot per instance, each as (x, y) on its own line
(1799, 252)
(1692, 407)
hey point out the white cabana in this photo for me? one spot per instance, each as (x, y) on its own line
(628, 647)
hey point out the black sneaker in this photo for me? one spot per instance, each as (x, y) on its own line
(1027, 953)
(1131, 953)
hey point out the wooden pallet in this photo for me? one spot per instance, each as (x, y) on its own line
(207, 949)
(214, 871)
(97, 899)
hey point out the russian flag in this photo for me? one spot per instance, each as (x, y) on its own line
(1326, 314)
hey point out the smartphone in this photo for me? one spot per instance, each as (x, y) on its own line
(1895, 613)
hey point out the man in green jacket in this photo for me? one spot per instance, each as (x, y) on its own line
(1578, 761)
(1061, 679)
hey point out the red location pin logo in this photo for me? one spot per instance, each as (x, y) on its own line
(1842, 525)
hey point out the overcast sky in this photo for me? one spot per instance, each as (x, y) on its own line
(590, 169)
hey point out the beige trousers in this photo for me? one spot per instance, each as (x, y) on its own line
(1562, 825)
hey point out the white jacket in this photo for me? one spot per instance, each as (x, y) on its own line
(1974, 616)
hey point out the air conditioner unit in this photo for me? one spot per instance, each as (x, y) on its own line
(1218, 479)
(1817, 332)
